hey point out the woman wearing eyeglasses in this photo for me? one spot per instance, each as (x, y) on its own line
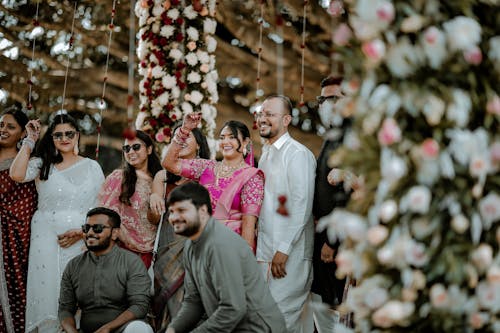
(67, 186)
(127, 191)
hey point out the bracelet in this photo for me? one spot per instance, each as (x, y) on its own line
(184, 132)
(29, 142)
(179, 140)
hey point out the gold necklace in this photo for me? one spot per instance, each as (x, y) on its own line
(224, 171)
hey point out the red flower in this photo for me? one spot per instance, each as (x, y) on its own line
(167, 131)
(179, 37)
(152, 122)
(179, 21)
(169, 107)
(282, 208)
(181, 85)
(129, 133)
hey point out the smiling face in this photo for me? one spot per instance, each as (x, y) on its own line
(100, 242)
(273, 120)
(231, 146)
(65, 137)
(186, 219)
(191, 148)
(10, 131)
(328, 111)
(136, 158)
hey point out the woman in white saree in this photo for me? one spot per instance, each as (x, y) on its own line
(67, 186)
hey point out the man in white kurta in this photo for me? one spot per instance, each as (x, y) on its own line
(285, 240)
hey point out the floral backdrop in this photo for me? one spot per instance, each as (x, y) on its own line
(421, 234)
(177, 65)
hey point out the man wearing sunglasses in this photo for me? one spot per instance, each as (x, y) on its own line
(109, 284)
(326, 288)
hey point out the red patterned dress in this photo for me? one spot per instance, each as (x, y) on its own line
(18, 203)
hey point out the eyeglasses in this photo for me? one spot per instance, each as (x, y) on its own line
(96, 228)
(322, 99)
(58, 136)
(259, 115)
(135, 147)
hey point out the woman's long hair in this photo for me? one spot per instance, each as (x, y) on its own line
(46, 149)
(203, 152)
(129, 174)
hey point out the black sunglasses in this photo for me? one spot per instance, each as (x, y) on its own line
(59, 135)
(135, 147)
(96, 228)
(322, 99)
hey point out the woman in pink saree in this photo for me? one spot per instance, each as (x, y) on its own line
(236, 187)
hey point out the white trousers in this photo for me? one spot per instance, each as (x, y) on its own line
(291, 293)
(325, 318)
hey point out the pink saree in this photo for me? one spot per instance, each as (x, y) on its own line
(240, 194)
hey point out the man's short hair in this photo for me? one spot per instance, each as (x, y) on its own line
(331, 80)
(193, 191)
(113, 217)
(287, 103)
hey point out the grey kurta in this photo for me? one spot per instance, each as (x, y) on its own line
(103, 287)
(223, 280)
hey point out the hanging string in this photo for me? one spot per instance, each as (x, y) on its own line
(129, 132)
(68, 59)
(303, 48)
(259, 58)
(103, 106)
(36, 24)
(279, 54)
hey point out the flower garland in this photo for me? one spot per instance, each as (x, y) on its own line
(177, 64)
(422, 234)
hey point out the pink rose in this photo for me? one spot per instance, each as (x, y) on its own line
(377, 234)
(493, 105)
(374, 50)
(473, 56)
(389, 133)
(495, 153)
(493, 274)
(431, 35)
(482, 257)
(385, 12)
(342, 35)
(191, 45)
(430, 148)
(439, 296)
(160, 137)
(478, 319)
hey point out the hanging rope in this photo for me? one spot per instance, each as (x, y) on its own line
(36, 24)
(103, 105)
(259, 51)
(129, 132)
(68, 59)
(303, 48)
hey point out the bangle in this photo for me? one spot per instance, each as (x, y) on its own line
(29, 142)
(184, 132)
(179, 140)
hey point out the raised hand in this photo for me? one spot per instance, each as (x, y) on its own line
(33, 129)
(191, 120)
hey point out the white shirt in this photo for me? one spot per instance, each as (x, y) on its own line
(289, 168)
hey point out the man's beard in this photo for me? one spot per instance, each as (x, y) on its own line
(190, 229)
(99, 247)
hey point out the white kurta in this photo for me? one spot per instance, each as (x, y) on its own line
(289, 168)
(63, 201)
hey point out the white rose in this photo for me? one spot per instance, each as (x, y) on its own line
(175, 54)
(412, 23)
(458, 111)
(493, 275)
(433, 109)
(211, 43)
(479, 165)
(155, 27)
(191, 59)
(173, 13)
(155, 110)
(157, 72)
(344, 261)
(494, 52)
(190, 13)
(489, 208)
(375, 297)
(462, 33)
(439, 296)
(434, 44)
(139, 120)
(168, 81)
(193, 77)
(186, 107)
(142, 50)
(482, 256)
(203, 57)
(392, 312)
(209, 26)
(386, 255)
(417, 200)
(388, 210)
(403, 58)
(167, 31)
(176, 92)
(163, 98)
(157, 10)
(459, 223)
(377, 234)
(193, 33)
(488, 295)
(415, 254)
(196, 97)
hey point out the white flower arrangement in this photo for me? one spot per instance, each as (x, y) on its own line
(427, 113)
(177, 65)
